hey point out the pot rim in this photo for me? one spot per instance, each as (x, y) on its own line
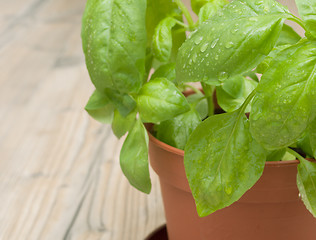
(180, 152)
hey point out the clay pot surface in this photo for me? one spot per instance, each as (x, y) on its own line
(270, 210)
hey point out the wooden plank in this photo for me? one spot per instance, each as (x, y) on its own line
(59, 171)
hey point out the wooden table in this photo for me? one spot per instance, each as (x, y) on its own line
(59, 170)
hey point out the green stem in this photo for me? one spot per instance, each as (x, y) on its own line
(248, 99)
(209, 91)
(297, 155)
(181, 23)
(185, 12)
(192, 87)
(298, 21)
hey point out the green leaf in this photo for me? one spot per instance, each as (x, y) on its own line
(288, 36)
(232, 94)
(233, 42)
(306, 183)
(176, 131)
(222, 161)
(158, 10)
(276, 155)
(124, 103)
(200, 104)
(210, 9)
(166, 71)
(162, 43)
(100, 108)
(114, 43)
(134, 158)
(160, 100)
(121, 125)
(285, 102)
(307, 11)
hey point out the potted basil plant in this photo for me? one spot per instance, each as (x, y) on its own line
(140, 60)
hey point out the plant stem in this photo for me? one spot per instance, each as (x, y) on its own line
(181, 23)
(297, 155)
(248, 99)
(185, 12)
(298, 21)
(192, 87)
(209, 91)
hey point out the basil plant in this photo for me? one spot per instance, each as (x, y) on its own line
(142, 54)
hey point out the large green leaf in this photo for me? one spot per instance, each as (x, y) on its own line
(306, 183)
(233, 42)
(162, 43)
(285, 102)
(100, 107)
(134, 158)
(114, 43)
(160, 100)
(222, 161)
(177, 131)
(307, 11)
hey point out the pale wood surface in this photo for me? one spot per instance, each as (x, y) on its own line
(59, 171)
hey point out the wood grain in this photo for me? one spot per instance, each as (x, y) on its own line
(59, 171)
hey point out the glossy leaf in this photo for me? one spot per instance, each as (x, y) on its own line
(210, 9)
(222, 161)
(100, 108)
(160, 100)
(124, 103)
(162, 43)
(306, 183)
(177, 131)
(307, 11)
(121, 125)
(166, 71)
(233, 42)
(288, 36)
(231, 96)
(114, 43)
(285, 102)
(134, 158)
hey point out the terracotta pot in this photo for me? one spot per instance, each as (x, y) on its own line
(270, 210)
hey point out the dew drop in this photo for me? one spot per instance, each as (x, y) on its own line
(198, 40)
(228, 190)
(222, 76)
(213, 44)
(229, 45)
(194, 57)
(204, 47)
(216, 57)
(190, 61)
